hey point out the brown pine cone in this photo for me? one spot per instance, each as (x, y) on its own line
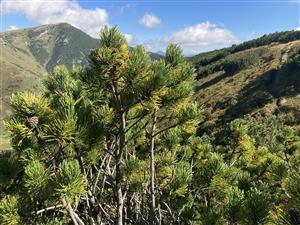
(33, 121)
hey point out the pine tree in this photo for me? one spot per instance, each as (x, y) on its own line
(116, 143)
(81, 142)
(153, 93)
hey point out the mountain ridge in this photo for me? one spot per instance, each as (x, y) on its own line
(29, 54)
(62, 37)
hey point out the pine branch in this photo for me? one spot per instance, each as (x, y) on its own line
(169, 210)
(135, 135)
(48, 209)
(135, 123)
(165, 129)
(70, 210)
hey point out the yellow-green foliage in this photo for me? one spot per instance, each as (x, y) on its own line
(36, 179)
(9, 210)
(29, 104)
(70, 181)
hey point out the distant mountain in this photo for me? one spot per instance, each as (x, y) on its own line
(29, 54)
(160, 53)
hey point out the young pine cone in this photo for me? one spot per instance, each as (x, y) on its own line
(119, 62)
(115, 50)
(33, 121)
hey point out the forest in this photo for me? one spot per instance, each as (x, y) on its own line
(117, 142)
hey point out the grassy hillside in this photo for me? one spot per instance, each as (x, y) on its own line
(28, 54)
(258, 76)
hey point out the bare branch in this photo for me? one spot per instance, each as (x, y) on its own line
(47, 209)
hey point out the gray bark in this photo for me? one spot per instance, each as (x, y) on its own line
(152, 170)
(119, 177)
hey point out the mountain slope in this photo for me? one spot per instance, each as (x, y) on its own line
(253, 79)
(27, 55)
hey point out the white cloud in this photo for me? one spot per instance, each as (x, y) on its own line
(298, 28)
(194, 39)
(46, 12)
(129, 38)
(12, 27)
(124, 8)
(150, 20)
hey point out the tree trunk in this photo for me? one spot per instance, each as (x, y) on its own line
(119, 152)
(152, 170)
(119, 176)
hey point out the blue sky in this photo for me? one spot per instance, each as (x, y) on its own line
(196, 25)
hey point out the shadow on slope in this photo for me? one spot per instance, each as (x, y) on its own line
(275, 84)
(212, 81)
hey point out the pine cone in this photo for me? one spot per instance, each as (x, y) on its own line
(115, 50)
(119, 62)
(33, 121)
